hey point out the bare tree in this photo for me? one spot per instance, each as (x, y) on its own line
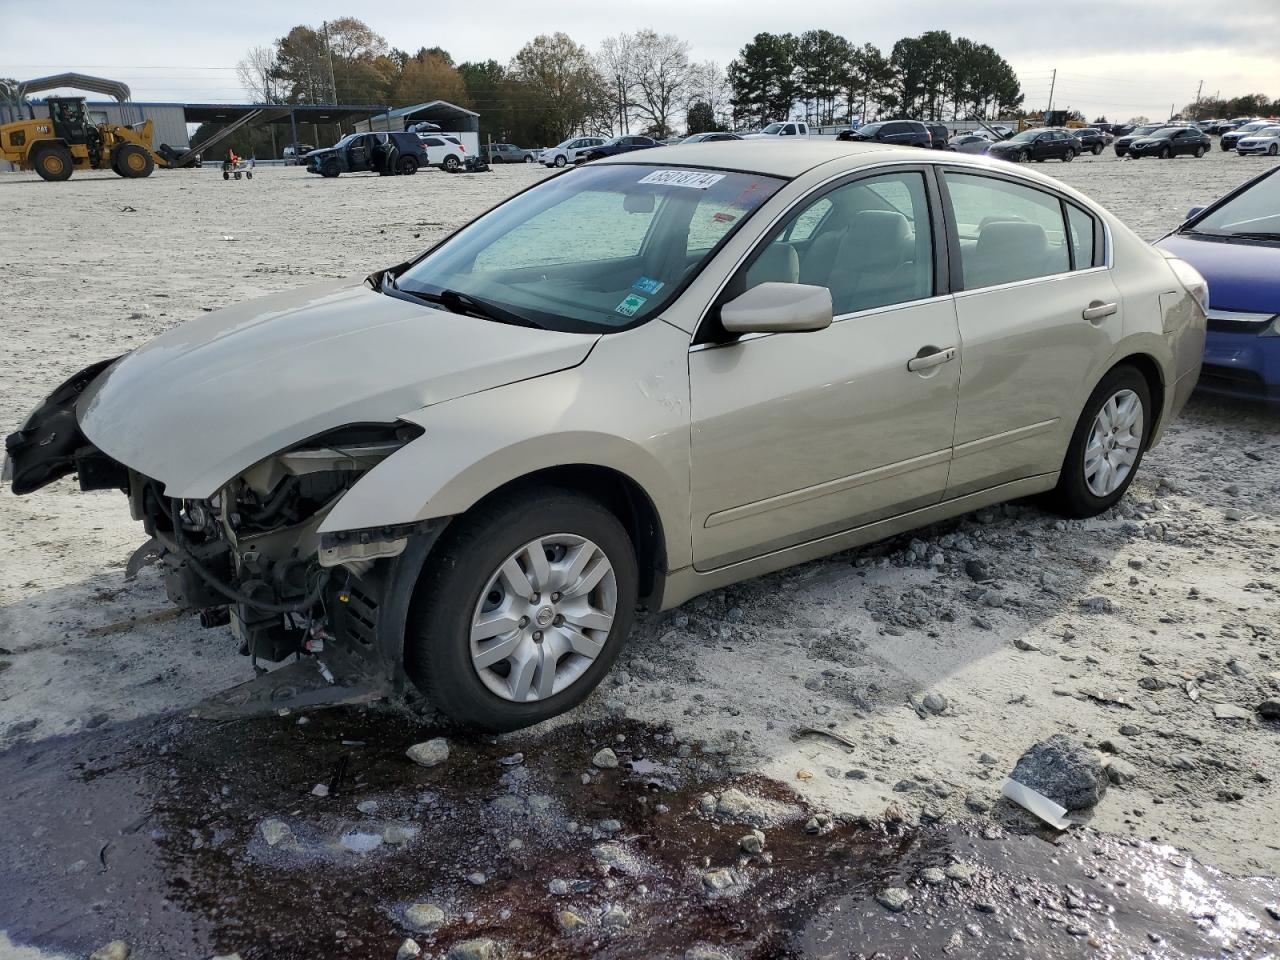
(708, 84)
(259, 74)
(617, 65)
(662, 75)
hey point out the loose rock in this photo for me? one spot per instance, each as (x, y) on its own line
(752, 842)
(606, 759)
(274, 831)
(431, 753)
(482, 949)
(115, 950)
(1064, 770)
(569, 921)
(408, 949)
(893, 898)
(424, 917)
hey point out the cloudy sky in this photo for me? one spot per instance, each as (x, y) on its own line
(1117, 58)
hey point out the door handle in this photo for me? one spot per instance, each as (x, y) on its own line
(926, 361)
(1098, 311)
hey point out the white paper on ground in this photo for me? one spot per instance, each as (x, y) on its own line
(1037, 803)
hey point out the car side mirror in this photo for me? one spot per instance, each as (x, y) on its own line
(1194, 211)
(778, 308)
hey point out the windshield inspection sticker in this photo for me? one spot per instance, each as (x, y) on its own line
(648, 285)
(630, 304)
(683, 178)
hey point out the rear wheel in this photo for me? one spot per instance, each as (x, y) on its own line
(522, 609)
(451, 164)
(1107, 446)
(1097, 149)
(54, 162)
(1199, 152)
(528, 158)
(407, 166)
(1069, 156)
(132, 162)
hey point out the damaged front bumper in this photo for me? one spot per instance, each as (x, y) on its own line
(251, 555)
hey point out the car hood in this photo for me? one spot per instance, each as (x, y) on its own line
(209, 399)
(1242, 275)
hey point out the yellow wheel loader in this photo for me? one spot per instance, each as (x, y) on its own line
(65, 141)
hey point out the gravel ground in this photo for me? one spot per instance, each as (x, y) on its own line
(1131, 631)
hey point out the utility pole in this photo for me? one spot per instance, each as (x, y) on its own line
(1053, 81)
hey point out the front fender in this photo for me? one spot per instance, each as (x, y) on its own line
(602, 413)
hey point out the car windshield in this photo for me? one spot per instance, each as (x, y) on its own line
(1250, 127)
(1149, 128)
(602, 248)
(1166, 133)
(871, 129)
(347, 139)
(1255, 213)
(1268, 132)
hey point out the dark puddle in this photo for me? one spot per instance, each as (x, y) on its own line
(151, 833)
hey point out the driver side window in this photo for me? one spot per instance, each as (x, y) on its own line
(869, 242)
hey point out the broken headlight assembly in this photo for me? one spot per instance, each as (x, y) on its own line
(251, 554)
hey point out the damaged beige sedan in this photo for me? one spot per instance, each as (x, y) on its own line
(630, 383)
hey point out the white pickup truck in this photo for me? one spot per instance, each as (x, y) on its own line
(796, 129)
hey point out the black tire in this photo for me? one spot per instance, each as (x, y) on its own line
(529, 158)
(1068, 156)
(329, 168)
(1272, 150)
(1097, 149)
(560, 160)
(407, 166)
(1166, 153)
(1072, 496)
(54, 162)
(451, 164)
(437, 637)
(1199, 152)
(226, 174)
(132, 161)
(1020, 157)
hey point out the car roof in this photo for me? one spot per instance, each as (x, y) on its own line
(790, 159)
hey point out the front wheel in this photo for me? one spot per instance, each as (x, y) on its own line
(1107, 445)
(522, 609)
(1166, 153)
(330, 169)
(1272, 150)
(561, 160)
(132, 161)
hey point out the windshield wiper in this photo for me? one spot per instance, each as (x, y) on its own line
(456, 301)
(1258, 235)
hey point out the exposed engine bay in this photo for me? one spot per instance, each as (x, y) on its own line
(250, 555)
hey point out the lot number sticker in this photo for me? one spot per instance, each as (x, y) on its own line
(683, 178)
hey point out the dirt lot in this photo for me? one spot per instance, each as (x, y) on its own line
(1131, 631)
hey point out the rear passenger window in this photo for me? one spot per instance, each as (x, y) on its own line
(1007, 231)
(1081, 226)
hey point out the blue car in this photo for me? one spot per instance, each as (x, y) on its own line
(1235, 244)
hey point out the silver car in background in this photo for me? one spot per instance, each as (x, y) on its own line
(631, 383)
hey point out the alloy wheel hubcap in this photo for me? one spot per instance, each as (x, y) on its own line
(1114, 443)
(543, 618)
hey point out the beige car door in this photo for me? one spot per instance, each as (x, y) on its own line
(796, 436)
(1037, 306)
